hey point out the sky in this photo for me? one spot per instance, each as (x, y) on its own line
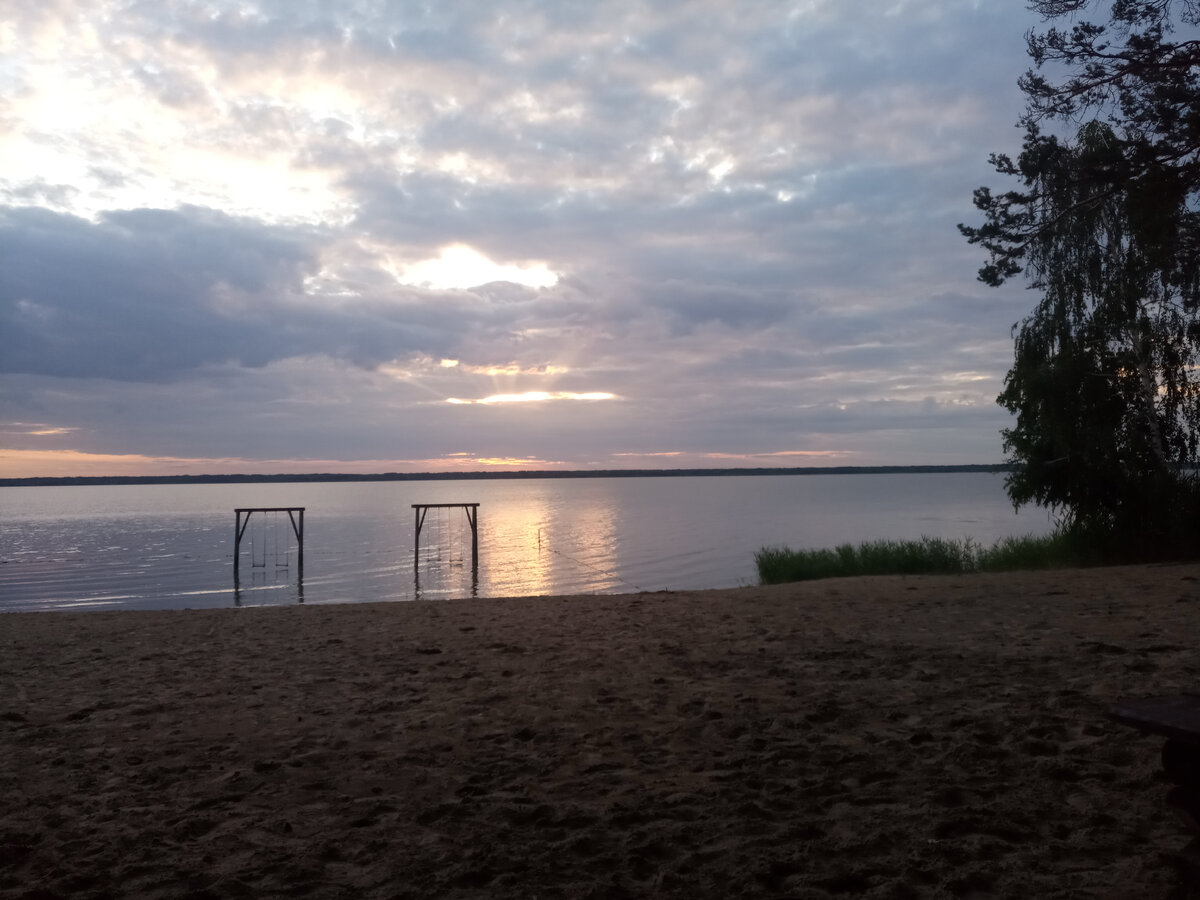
(277, 236)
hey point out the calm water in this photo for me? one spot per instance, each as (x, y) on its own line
(171, 546)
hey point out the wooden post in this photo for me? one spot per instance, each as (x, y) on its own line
(473, 520)
(237, 541)
(419, 514)
(298, 531)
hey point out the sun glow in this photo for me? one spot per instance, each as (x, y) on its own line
(462, 267)
(534, 397)
(80, 463)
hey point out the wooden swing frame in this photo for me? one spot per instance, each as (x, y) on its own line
(472, 511)
(295, 516)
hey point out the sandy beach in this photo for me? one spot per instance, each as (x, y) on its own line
(882, 737)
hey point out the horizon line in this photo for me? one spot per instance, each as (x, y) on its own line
(485, 475)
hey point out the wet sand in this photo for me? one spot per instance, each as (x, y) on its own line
(883, 737)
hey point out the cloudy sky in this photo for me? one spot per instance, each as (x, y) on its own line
(366, 235)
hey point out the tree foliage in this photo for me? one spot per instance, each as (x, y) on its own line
(1104, 381)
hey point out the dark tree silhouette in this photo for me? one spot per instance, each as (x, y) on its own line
(1105, 382)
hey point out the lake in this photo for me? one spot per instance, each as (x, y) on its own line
(171, 546)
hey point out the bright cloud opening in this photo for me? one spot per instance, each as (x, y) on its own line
(461, 266)
(31, 429)
(534, 396)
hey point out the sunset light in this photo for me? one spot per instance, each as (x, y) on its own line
(571, 449)
(278, 235)
(460, 266)
(535, 397)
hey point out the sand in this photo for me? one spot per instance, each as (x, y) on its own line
(882, 737)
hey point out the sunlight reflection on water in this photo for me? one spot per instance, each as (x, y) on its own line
(171, 546)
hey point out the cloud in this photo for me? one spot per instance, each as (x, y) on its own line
(140, 295)
(226, 227)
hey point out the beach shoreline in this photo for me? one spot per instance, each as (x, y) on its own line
(927, 736)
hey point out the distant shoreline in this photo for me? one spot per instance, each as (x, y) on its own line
(492, 476)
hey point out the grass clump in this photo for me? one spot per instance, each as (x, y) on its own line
(1012, 554)
(927, 556)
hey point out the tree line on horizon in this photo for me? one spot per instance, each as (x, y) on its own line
(66, 480)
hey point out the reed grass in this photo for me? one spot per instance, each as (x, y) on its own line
(927, 556)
